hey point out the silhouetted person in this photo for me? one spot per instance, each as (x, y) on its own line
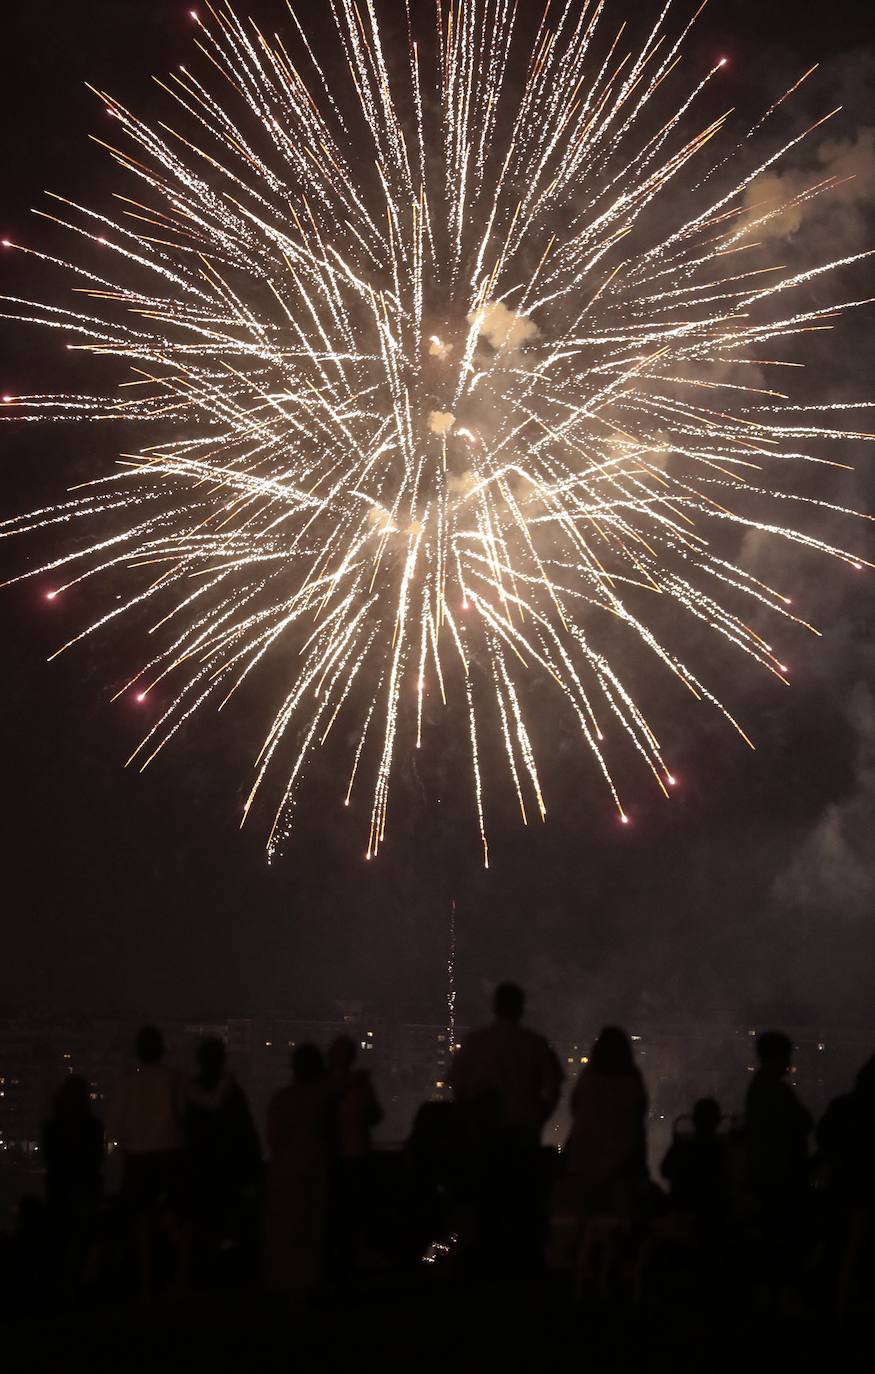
(299, 1130)
(222, 1155)
(604, 1183)
(605, 1156)
(507, 1070)
(356, 1109)
(72, 1151)
(777, 1128)
(506, 1082)
(355, 1112)
(846, 1142)
(696, 1168)
(147, 1123)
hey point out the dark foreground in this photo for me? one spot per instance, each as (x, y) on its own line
(431, 1324)
(471, 1246)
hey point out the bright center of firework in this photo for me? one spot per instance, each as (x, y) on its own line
(440, 389)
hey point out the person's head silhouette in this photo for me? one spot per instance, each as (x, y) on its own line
(612, 1052)
(509, 1003)
(211, 1057)
(775, 1052)
(307, 1064)
(706, 1117)
(73, 1098)
(341, 1054)
(150, 1045)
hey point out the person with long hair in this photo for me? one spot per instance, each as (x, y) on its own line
(606, 1150)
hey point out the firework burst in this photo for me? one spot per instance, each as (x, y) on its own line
(429, 393)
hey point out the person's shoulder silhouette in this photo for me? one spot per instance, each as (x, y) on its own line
(506, 1068)
(356, 1109)
(777, 1125)
(72, 1145)
(218, 1122)
(609, 1108)
(696, 1166)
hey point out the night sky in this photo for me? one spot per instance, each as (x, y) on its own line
(748, 897)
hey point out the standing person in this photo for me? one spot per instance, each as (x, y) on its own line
(606, 1152)
(73, 1151)
(355, 1112)
(604, 1177)
(222, 1157)
(298, 1141)
(356, 1109)
(846, 1141)
(146, 1121)
(696, 1168)
(506, 1081)
(507, 1070)
(777, 1128)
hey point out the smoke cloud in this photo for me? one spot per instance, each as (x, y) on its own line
(441, 421)
(504, 328)
(838, 211)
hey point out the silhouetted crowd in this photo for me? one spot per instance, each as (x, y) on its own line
(770, 1210)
